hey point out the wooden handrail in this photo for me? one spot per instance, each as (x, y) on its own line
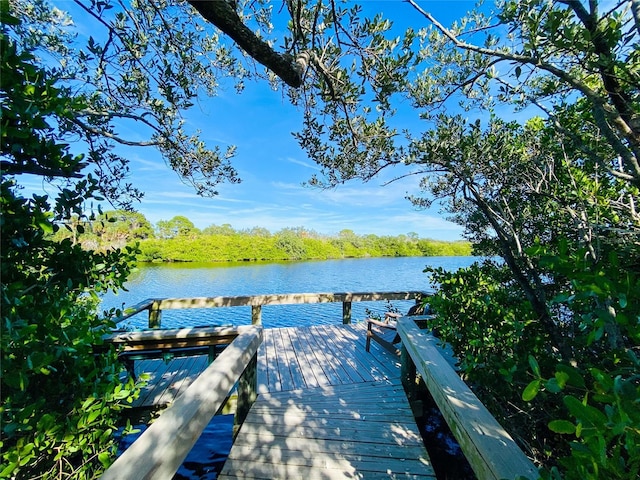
(490, 450)
(170, 338)
(155, 306)
(161, 449)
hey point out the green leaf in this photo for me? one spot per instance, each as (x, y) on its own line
(533, 363)
(552, 385)
(105, 459)
(575, 378)
(46, 227)
(8, 469)
(531, 390)
(622, 299)
(585, 413)
(562, 378)
(562, 426)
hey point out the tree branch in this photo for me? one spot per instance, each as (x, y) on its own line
(222, 14)
(10, 168)
(635, 9)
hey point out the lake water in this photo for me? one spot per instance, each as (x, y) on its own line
(213, 280)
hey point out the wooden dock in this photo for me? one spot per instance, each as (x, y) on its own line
(326, 409)
(363, 430)
(288, 359)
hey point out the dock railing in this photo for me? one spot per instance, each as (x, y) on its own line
(161, 449)
(490, 450)
(155, 306)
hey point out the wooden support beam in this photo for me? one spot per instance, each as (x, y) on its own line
(155, 315)
(247, 393)
(346, 313)
(490, 450)
(256, 314)
(162, 448)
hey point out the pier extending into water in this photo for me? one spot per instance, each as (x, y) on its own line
(312, 403)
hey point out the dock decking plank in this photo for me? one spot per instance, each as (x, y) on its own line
(356, 371)
(342, 431)
(284, 362)
(290, 359)
(345, 362)
(271, 362)
(311, 371)
(326, 358)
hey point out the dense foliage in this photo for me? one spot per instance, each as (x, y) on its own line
(60, 402)
(178, 240)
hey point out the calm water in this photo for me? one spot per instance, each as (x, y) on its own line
(212, 280)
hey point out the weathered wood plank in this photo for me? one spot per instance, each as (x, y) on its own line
(267, 448)
(363, 430)
(337, 343)
(367, 364)
(263, 380)
(290, 359)
(181, 375)
(338, 361)
(273, 371)
(490, 450)
(161, 449)
(283, 299)
(323, 357)
(307, 367)
(283, 361)
(381, 364)
(172, 338)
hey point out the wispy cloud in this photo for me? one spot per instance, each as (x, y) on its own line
(309, 165)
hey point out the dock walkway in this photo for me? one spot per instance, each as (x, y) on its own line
(325, 409)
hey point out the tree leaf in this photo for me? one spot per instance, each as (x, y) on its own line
(531, 390)
(533, 363)
(562, 426)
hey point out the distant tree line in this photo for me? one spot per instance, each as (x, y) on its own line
(179, 240)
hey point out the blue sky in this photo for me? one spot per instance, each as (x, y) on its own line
(272, 166)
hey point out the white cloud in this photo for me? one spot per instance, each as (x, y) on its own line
(310, 165)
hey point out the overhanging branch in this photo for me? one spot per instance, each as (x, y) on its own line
(221, 14)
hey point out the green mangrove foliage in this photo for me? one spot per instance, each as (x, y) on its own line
(61, 404)
(288, 245)
(178, 240)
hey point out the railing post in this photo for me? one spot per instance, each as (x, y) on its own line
(346, 312)
(256, 314)
(247, 393)
(408, 373)
(155, 315)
